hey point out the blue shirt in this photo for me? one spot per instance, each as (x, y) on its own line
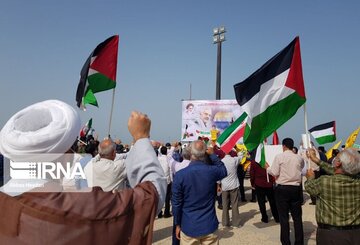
(193, 197)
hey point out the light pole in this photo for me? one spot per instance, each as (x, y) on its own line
(218, 37)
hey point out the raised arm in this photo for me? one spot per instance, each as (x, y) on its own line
(141, 163)
(311, 153)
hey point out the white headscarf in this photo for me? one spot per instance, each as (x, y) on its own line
(50, 126)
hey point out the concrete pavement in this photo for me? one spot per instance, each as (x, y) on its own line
(253, 231)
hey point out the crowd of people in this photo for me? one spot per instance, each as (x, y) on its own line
(126, 187)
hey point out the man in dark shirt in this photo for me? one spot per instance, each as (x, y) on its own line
(264, 187)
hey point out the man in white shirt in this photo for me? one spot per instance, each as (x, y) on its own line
(287, 168)
(230, 190)
(107, 173)
(165, 166)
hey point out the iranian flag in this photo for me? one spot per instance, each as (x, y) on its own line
(98, 73)
(86, 128)
(324, 133)
(232, 134)
(272, 94)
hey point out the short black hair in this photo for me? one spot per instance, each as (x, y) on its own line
(321, 148)
(163, 150)
(288, 142)
(295, 149)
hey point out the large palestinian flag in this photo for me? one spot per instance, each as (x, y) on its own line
(99, 72)
(272, 94)
(324, 133)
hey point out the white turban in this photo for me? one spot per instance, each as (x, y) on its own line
(50, 126)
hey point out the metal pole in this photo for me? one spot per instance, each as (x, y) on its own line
(218, 72)
(111, 111)
(190, 91)
(306, 132)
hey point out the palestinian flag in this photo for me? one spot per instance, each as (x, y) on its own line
(324, 133)
(98, 73)
(232, 134)
(272, 94)
(260, 155)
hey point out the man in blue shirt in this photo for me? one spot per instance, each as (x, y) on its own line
(193, 198)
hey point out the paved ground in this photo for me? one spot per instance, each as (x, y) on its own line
(253, 231)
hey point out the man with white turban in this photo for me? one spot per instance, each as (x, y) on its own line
(95, 217)
(45, 128)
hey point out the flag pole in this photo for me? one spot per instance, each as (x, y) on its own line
(307, 133)
(111, 111)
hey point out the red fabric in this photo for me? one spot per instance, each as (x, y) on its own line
(275, 138)
(258, 176)
(106, 60)
(295, 78)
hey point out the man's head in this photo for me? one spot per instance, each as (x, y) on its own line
(295, 150)
(321, 149)
(288, 144)
(107, 149)
(49, 126)
(163, 150)
(198, 150)
(349, 161)
(190, 107)
(205, 115)
(186, 154)
(335, 152)
(92, 148)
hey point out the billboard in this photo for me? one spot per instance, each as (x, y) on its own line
(201, 117)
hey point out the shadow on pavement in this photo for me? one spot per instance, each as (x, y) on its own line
(261, 225)
(161, 234)
(225, 232)
(246, 216)
(309, 232)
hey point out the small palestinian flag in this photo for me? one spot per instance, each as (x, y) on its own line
(98, 73)
(324, 133)
(272, 94)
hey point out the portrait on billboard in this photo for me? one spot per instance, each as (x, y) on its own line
(207, 118)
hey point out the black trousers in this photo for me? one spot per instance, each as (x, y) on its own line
(167, 199)
(261, 193)
(241, 176)
(337, 237)
(288, 199)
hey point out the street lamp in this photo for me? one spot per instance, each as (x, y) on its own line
(218, 37)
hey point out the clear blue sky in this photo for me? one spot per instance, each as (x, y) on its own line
(166, 45)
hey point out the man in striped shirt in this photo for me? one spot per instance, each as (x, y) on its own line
(338, 195)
